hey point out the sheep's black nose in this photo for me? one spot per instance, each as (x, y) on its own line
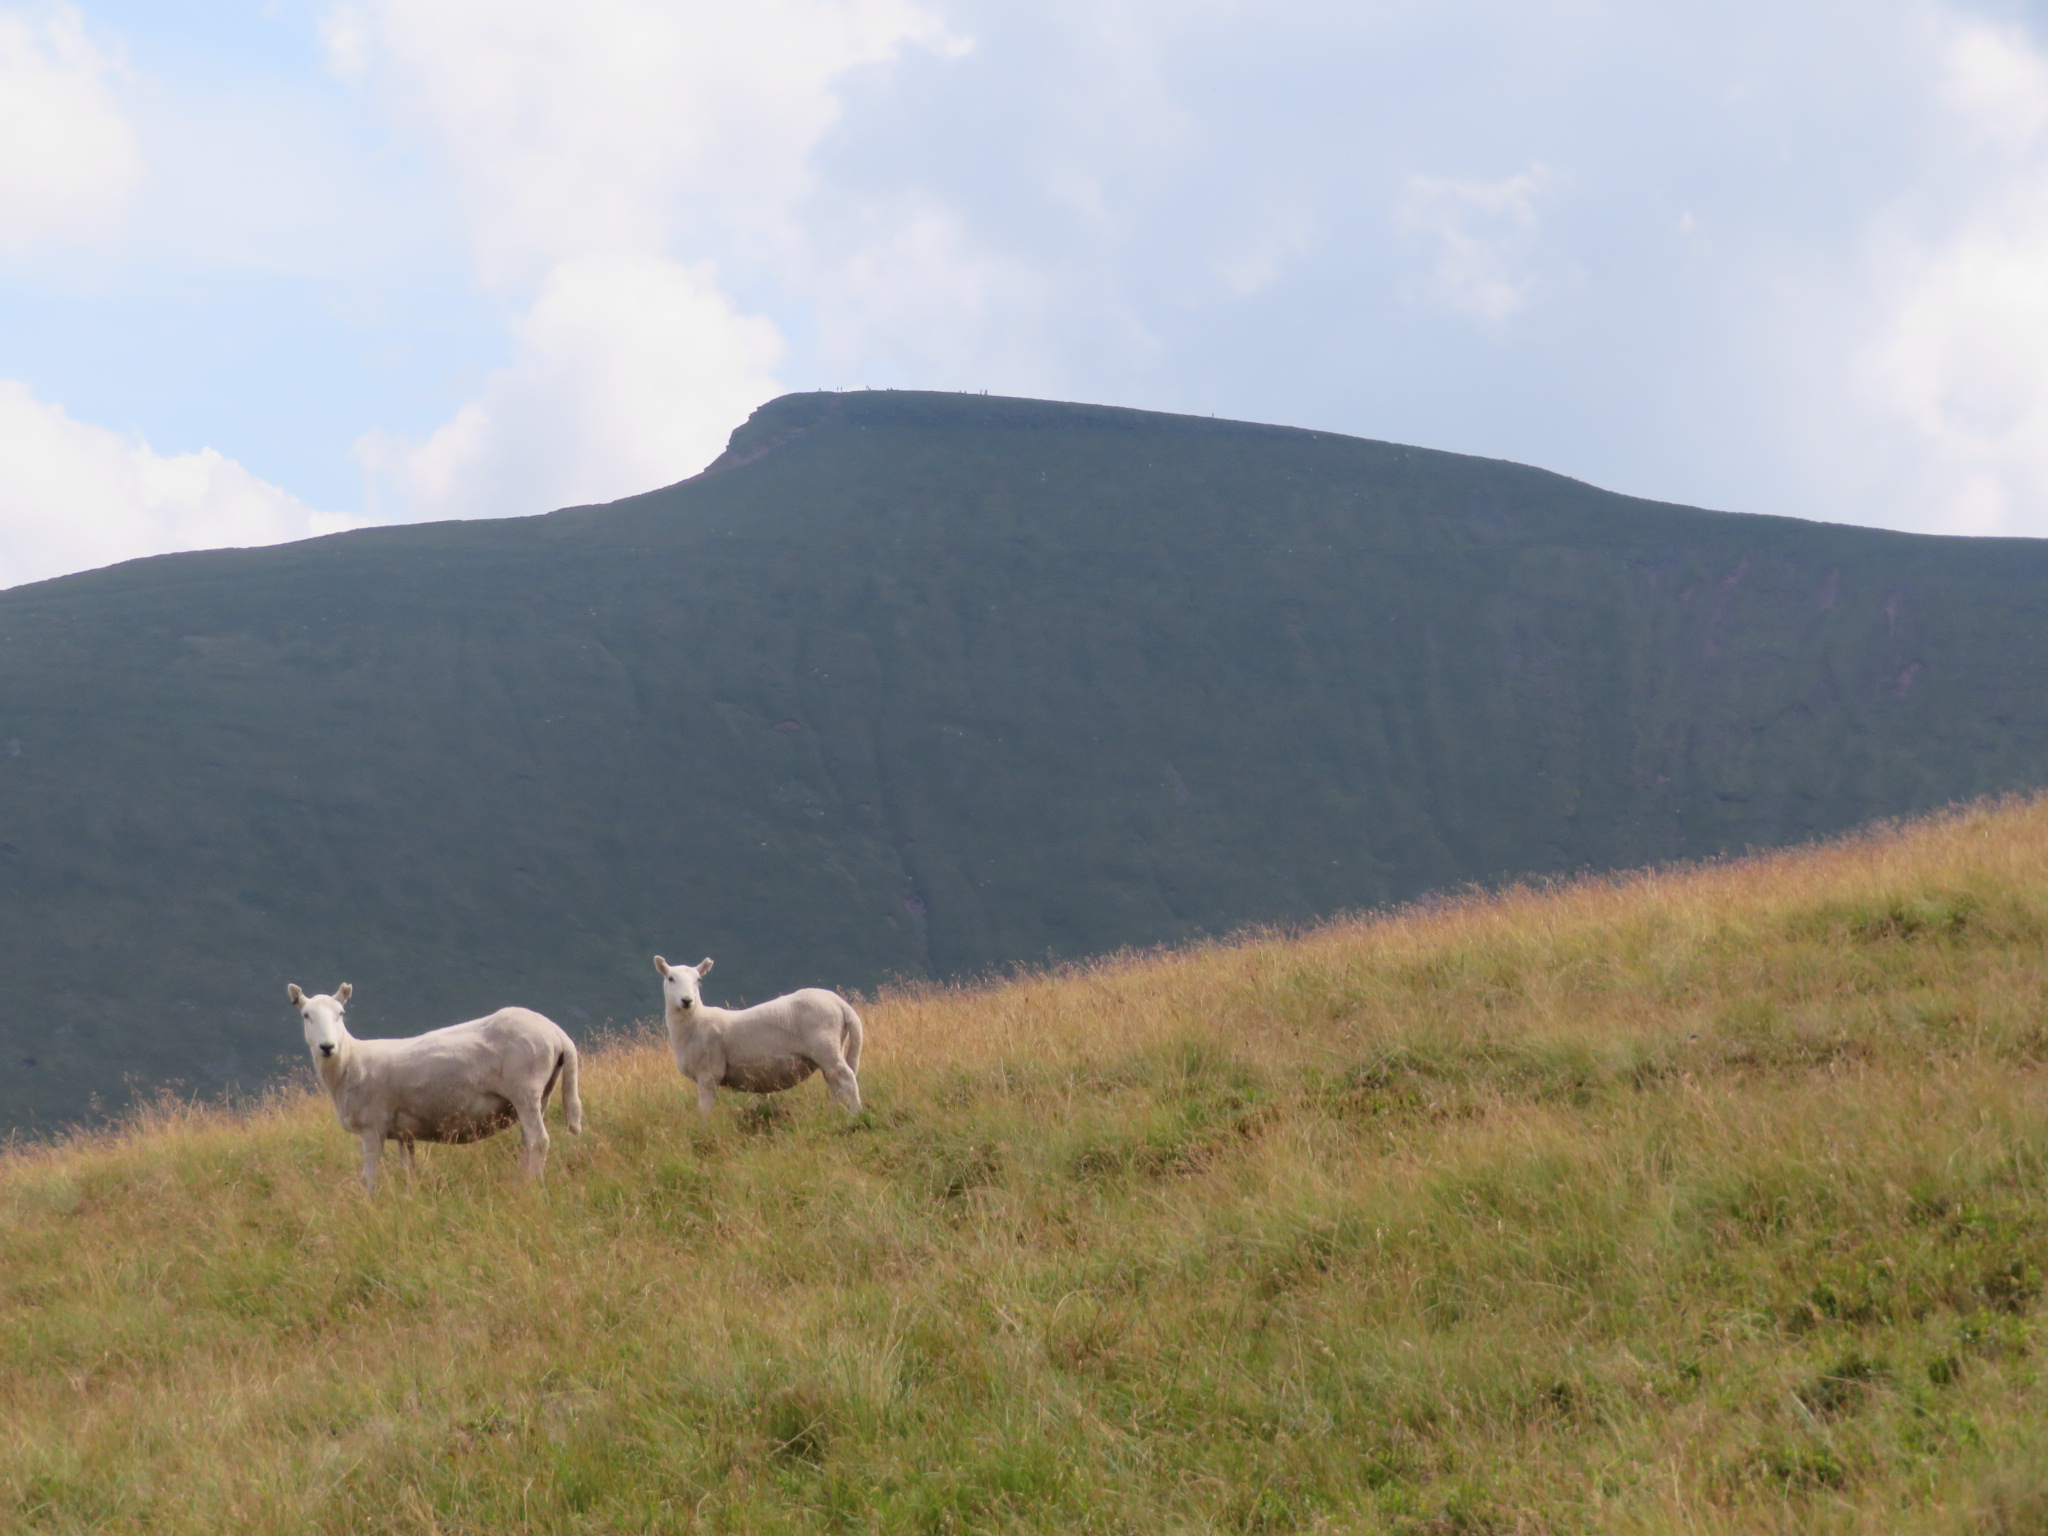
(683, 1003)
(326, 1050)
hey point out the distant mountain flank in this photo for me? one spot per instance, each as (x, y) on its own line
(910, 684)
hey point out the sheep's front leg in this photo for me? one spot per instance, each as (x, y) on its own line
(707, 1097)
(373, 1145)
(533, 1137)
(405, 1157)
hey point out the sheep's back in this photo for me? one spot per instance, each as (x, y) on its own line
(458, 1083)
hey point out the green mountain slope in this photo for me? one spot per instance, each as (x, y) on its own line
(915, 684)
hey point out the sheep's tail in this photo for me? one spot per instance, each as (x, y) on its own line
(850, 1034)
(572, 1100)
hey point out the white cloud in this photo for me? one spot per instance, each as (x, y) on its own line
(587, 144)
(74, 495)
(1482, 232)
(905, 295)
(1280, 229)
(68, 157)
(1964, 362)
(612, 124)
(1961, 357)
(1996, 82)
(628, 373)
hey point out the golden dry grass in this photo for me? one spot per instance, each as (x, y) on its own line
(1701, 1200)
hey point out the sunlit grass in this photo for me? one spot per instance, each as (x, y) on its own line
(1702, 1200)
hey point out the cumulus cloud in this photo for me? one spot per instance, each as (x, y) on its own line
(627, 375)
(1281, 229)
(1481, 233)
(1996, 82)
(1961, 358)
(68, 156)
(74, 495)
(905, 294)
(613, 125)
(587, 144)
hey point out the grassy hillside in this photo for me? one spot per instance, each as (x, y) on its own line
(1703, 1201)
(921, 685)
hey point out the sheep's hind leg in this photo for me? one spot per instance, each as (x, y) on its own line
(843, 1085)
(533, 1136)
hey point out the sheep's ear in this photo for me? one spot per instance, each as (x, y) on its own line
(291, 991)
(660, 965)
(342, 992)
(704, 969)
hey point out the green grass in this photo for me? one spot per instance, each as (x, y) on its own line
(1700, 1201)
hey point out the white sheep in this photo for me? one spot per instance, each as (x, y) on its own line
(461, 1083)
(763, 1049)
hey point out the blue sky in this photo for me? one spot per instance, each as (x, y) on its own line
(271, 269)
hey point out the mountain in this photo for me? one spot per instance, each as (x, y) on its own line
(924, 685)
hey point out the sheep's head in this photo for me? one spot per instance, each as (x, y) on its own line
(321, 1014)
(679, 984)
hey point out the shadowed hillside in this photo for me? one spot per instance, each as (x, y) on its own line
(918, 685)
(1710, 1201)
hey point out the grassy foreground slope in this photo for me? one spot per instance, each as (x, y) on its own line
(922, 685)
(1708, 1200)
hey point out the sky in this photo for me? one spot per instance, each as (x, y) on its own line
(271, 269)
